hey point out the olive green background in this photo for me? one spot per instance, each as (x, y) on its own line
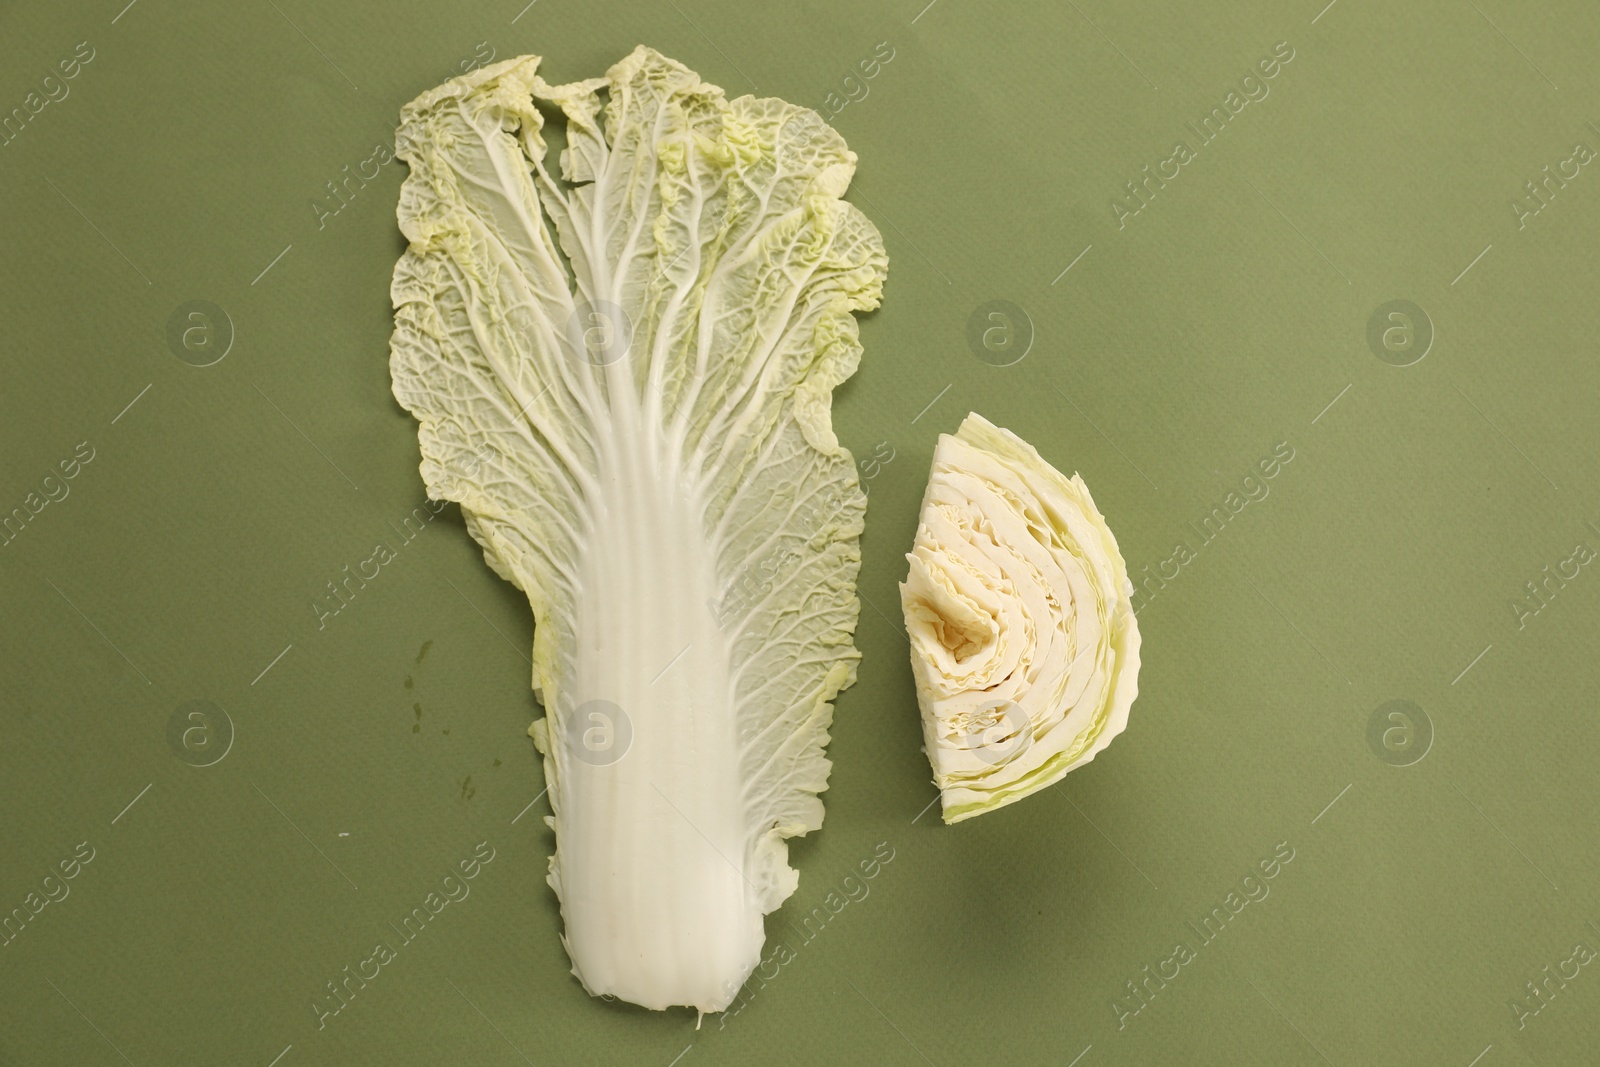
(1176, 353)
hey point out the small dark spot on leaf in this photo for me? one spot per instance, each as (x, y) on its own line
(418, 709)
(445, 732)
(425, 646)
(467, 791)
(416, 729)
(409, 682)
(496, 763)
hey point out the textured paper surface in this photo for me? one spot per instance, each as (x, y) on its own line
(1170, 354)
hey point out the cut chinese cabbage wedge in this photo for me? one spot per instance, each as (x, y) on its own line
(1024, 644)
(623, 368)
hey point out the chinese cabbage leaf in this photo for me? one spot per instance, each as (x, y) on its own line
(622, 362)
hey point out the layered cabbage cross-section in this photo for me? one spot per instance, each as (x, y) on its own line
(1024, 644)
